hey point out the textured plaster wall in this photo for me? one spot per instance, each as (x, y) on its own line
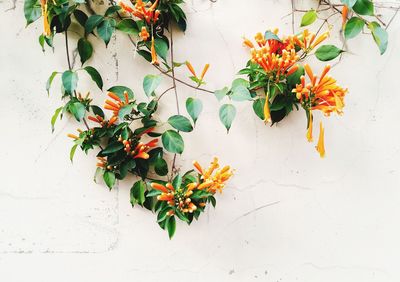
(286, 216)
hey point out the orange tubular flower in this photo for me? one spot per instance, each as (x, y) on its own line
(321, 141)
(46, 25)
(345, 12)
(213, 179)
(116, 105)
(306, 41)
(154, 59)
(324, 95)
(142, 11)
(274, 56)
(203, 73)
(144, 34)
(141, 150)
(267, 112)
(190, 68)
(310, 128)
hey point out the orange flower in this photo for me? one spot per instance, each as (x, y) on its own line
(190, 68)
(117, 104)
(142, 11)
(203, 73)
(46, 25)
(324, 95)
(140, 151)
(213, 179)
(321, 141)
(345, 12)
(310, 128)
(98, 119)
(267, 112)
(144, 34)
(306, 41)
(176, 196)
(154, 59)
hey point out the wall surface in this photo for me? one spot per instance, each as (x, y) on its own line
(287, 215)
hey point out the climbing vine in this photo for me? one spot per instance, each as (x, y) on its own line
(128, 135)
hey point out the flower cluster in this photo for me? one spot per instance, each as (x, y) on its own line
(275, 69)
(187, 196)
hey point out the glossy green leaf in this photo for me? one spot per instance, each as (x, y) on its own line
(240, 93)
(105, 30)
(119, 91)
(380, 36)
(78, 110)
(181, 123)
(111, 10)
(124, 111)
(327, 52)
(227, 114)
(172, 141)
(85, 49)
(72, 152)
(54, 117)
(81, 17)
(32, 11)
(50, 81)
(137, 193)
(92, 22)
(364, 7)
(69, 81)
(95, 75)
(220, 94)
(258, 107)
(150, 84)
(128, 26)
(194, 107)
(171, 226)
(112, 148)
(161, 166)
(109, 178)
(353, 27)
(308, 18)
(161, 47)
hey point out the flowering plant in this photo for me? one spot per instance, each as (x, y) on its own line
(130, 138)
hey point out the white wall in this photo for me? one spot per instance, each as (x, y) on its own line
(287, 215)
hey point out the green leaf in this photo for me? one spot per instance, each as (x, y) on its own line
(105, 30)
(72, 152)
(181, 123)
(327, 52)
(137, 193)
(119, 91)
(54, 117)
(81, 17)
(239, 82)
(41, 41)
(258, 107)
(177, 181)
(95, 75)
(32, 11)
(150, 83)
(294, 78)
(172, 141)
(269, 35)
(50, 81)
(171, 226)
(161, 47)
(124, 111)
(112, 148)
(92, 22)
(308, 18)
(194, 107)
(78, 110)
(220, 94)
(111, 10)
(364, 7)
(97, 110)
(85, 49)
(128, 26)
(69, 81)
(240, 93)
(227, 114)
(380, 36)
(109, 178)
(349, 3)
(353, 27)
(161, 166)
